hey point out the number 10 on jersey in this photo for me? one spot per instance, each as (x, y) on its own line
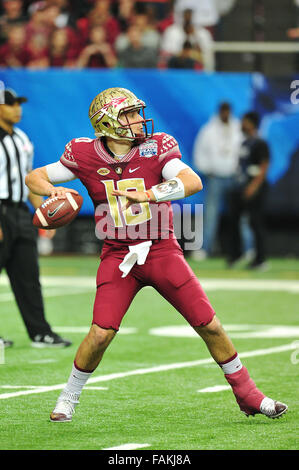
(130, 218)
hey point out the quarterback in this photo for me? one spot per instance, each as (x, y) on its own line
(132, 171)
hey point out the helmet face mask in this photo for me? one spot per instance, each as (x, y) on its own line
(126, 124)
(108, 115)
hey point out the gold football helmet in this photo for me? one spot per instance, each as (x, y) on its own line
(109, 106)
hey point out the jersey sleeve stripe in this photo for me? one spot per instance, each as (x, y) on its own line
(174, 151)
(67, 162)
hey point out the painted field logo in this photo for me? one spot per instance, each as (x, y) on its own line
(103, 171)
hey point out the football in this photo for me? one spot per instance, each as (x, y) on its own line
(55, 212)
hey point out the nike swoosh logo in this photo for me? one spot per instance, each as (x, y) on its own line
(52, 213)
(134, 169)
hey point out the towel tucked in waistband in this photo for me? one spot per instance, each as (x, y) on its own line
(136, 253)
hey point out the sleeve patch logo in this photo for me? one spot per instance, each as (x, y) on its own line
(148, 149)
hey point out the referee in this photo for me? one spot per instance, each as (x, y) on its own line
(18, 237)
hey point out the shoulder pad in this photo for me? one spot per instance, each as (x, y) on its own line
(165, 141)
(68, 158)
(73, 148)
(79, 144)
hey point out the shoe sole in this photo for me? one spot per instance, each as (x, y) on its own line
(236, 264)
(260, 268)
(278, 415)
(62, 420)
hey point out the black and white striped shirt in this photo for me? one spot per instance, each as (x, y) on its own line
(16, 155)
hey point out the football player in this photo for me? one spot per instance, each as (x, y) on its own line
(132, 172)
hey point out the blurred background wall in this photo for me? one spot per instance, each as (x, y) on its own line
(61, 53)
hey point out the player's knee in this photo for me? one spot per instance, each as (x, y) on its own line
(212, 328)
(100, 337)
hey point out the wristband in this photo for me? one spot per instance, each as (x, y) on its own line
(170, 190)
(148, 195)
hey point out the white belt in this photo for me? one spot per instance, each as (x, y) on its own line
(136, 253)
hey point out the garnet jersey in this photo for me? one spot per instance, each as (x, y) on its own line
(140, 169)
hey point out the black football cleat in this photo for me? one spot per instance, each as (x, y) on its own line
(50, 340)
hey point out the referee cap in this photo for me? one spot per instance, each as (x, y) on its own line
(10, 97)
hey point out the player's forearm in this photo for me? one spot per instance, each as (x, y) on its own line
(35, 199)
(186, 183)
(191, 184)
(191, 181)
(38, 182)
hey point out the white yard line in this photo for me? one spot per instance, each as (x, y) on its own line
(86, 284)
(22, 386)
(235, 331)
(95, 388)
(89, 283)
(42, 361)
(286, 285)
(58, 292)
(36, 387)
(128, 447)
(161, 368)
(215, 388)
(71, 281)
(85, 329)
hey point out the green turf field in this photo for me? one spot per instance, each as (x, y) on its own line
(160, 409)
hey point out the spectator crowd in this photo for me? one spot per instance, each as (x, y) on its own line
(109, 33)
